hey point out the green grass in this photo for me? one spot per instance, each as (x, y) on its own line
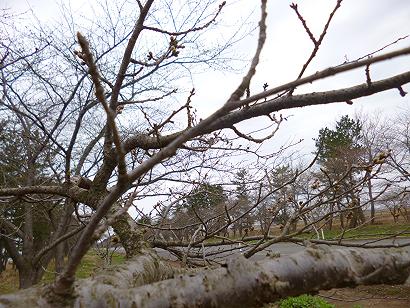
(368, 231)
(118, 258)
(364, 232)
(89, 265)
(304, 301)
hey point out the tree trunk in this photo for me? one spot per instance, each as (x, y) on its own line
(3, 255)
(330, 222)
(361, 217)
(341, 216)
(29, 275)
(131, 236)
(372, 208)
(357, 218)
(241, 283)
(59, 258)
(356, 214)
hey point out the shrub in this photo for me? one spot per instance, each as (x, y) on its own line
(304, 301)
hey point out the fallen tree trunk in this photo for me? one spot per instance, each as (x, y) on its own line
(240, 283)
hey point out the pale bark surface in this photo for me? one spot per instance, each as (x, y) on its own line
(240, 283)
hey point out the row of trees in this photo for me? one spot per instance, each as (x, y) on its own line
(86, 140)
(364, 169)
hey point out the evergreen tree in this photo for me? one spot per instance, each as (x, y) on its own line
(205, 195)
(241, 180)
(340, 142)
(338, 150)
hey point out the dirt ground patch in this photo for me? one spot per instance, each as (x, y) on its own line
(380, 296)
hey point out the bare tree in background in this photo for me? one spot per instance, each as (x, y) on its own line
(93, 113)
(397, 136)
(388, 136)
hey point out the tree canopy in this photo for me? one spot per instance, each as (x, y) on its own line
(95, 136)
(344, 139)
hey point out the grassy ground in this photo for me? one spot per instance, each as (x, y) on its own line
(89, 265)
(367, 231)
(364, 232)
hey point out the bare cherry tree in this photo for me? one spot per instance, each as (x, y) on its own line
(92, 112)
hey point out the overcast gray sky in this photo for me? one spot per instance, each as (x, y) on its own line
(359, 27)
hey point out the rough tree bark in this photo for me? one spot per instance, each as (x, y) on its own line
(240, 283)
